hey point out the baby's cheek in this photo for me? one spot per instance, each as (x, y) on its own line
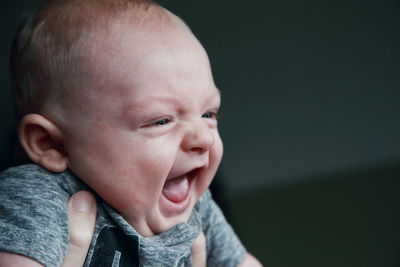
(157, 159)
(217, 149)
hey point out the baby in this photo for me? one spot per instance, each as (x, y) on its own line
(120, 94)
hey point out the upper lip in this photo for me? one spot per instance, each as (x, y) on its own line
(190, 172)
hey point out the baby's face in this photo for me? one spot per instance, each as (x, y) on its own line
(143, 132)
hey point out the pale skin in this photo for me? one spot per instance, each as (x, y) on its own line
(162, 105)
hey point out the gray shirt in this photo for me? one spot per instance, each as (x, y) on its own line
(34, 223)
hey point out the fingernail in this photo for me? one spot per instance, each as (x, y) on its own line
(82, 202)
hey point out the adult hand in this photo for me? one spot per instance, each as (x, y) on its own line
(199, 252)
(250, 261)
(81, 221)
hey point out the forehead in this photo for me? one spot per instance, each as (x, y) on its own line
(136, 64)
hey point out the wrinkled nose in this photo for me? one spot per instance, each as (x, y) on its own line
(198, 138)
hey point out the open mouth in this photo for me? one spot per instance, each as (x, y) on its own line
(176, 189)
(177, 192)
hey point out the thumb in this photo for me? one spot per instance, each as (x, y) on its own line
(81, 221)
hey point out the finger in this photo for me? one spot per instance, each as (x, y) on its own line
(199, 253)
(81, 220)
(250, 260)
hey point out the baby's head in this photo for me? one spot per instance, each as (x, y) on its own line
(121, 93)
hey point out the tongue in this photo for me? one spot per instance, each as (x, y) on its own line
(176, 189)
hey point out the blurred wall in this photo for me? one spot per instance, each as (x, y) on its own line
(309, 87)
(9, 13)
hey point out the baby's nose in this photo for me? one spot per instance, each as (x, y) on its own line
(198, 138)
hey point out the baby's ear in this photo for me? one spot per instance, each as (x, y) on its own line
(42, 141)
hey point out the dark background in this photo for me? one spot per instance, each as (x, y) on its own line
(311, 123)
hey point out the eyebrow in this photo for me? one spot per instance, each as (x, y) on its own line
(149, 100)
(167, 99)
(159, 99)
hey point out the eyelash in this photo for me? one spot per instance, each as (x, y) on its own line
(158, 123)
(211, 115)
(165, 121)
